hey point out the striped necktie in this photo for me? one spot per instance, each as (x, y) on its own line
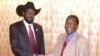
(32, 40)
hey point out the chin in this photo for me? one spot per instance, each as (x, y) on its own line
(30, 22)
(69, 33)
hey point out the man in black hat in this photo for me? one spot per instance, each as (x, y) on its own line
(26, 37)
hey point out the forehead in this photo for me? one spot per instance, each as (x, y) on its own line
(71, 19)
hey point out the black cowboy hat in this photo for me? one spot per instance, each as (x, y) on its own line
(29, 5)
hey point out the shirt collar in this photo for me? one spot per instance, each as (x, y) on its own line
(71, 36)
(26, 24)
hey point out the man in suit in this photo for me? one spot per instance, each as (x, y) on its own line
(71, 43)
(26, 37)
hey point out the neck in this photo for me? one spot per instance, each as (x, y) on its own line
(70, 33)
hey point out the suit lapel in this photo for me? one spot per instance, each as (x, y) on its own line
(36, 32)
(24, 33)
(23, 29)
(34, 26)
(59, 46)
(73, 41)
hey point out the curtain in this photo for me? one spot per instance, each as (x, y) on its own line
(52, 18)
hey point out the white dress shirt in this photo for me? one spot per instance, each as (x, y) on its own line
(27, 27)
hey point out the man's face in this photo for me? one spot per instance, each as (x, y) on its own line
(70, 25)
(29, 15)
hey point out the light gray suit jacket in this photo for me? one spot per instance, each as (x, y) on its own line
(78, 46)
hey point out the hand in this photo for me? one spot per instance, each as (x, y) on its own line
(41, 55)
(38, 55)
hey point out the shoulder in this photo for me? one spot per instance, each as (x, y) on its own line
(37, 25)
(61, 36)
(16, 23)
(82, 40)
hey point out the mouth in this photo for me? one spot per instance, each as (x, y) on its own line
(69, 30)
(29, 18)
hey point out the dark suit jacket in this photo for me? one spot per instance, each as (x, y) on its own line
(19, 39)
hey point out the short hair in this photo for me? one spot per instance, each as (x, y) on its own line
(74, 17)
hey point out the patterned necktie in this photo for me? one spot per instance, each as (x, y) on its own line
(32, 40)
(64, 45)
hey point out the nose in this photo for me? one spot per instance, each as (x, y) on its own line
(30, 15)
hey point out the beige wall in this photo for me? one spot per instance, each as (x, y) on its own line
(52, 18)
